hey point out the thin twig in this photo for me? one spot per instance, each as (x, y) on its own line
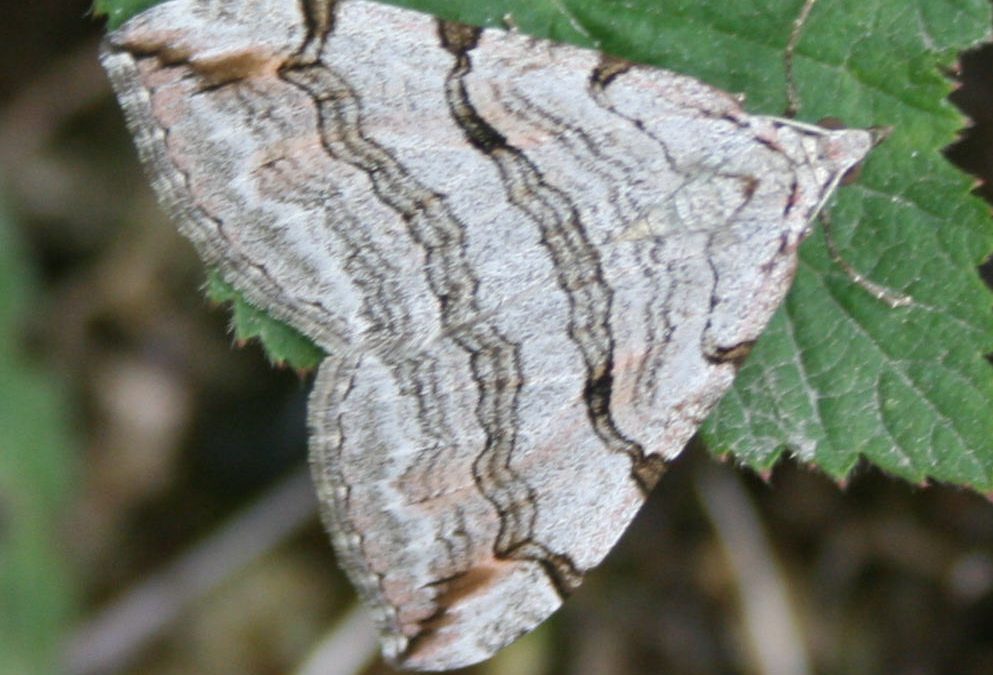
(774, 637)
(347, 649)
(110, 640)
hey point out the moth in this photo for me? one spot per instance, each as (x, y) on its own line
(534, 269)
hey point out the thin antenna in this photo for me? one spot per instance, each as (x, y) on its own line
(892, 298)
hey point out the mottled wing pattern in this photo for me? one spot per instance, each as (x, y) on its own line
(534, 269)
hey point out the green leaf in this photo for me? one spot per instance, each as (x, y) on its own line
(839, 375)
(36, 469)
(284, 344)
(119, 11)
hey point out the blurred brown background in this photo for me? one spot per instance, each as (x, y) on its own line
(187, 536)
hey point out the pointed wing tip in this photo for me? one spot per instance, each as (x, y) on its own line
(478, 613)
(848, 147)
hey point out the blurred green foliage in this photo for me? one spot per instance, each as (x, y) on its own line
(37, 468)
